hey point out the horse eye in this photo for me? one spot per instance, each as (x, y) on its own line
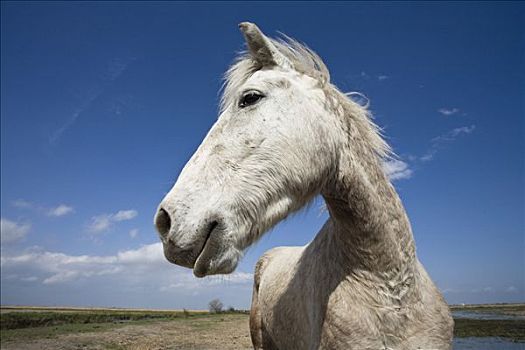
(250, 98)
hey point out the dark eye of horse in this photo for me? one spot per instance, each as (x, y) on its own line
(250, 98)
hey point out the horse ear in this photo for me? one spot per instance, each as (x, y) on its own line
(261, 48)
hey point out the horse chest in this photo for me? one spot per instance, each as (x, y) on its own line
(315, 313)
(302, 310)
(308, 323)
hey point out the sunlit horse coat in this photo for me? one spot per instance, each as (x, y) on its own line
(285, 135)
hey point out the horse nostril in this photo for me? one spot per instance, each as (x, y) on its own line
(163, 222)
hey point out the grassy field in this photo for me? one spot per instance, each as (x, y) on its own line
(44, 317)
(61, 328)
(504, 309)
(65, 328)
(512, 329)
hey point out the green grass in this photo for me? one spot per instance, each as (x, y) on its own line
(32, 319)
(53, 331)
(49, 324)
(45, 323)
(507, 309)
(37, 324)
(113, 346)
(511, 329)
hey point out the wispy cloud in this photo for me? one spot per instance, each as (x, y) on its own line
(379, 77)
(123, 215)
(21, 203)
(397, 169)
(429, 155)
(117, 66)
(134, 233)
(454, 133)
(60, 210)
(103, 222)
(99, 223)
(448, 111)
(11, 231)
(487, 289)
(439, 141)
(511, 289)
(448, 290)
(57, 134)
(115, 69)
(29, 279)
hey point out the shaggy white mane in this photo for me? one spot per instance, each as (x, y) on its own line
(307, 62)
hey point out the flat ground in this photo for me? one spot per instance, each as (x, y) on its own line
(197, 331)
(63, 328)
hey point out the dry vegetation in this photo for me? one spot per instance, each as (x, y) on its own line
(505, 309)
(66, 328)
(122, 329)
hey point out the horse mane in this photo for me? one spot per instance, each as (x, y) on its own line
(307, 62)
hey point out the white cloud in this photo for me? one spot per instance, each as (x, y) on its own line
(448, 111)
(103, 222)
(190, 282)
(99, 223)
(122, 215)
(453, 134)
(429, 155)
(448, 137)
(61, 210)
(382, 77)
(511, 289)
(21, 203)
(396, 169)
(134, 233)
(152, 253)
(54, 267)
(11, 231)
(128, 271)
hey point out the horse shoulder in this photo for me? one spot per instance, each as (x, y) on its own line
(258, 327)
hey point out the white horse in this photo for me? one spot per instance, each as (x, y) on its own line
(286, 134)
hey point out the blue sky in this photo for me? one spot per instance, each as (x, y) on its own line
(103, 103)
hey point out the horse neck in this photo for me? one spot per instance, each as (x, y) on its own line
(369, 226)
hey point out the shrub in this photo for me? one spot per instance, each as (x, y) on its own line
(215, 306)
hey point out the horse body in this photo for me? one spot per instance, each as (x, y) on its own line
(285, 135)
(318, 312)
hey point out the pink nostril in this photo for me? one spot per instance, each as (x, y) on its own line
(163, 222)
